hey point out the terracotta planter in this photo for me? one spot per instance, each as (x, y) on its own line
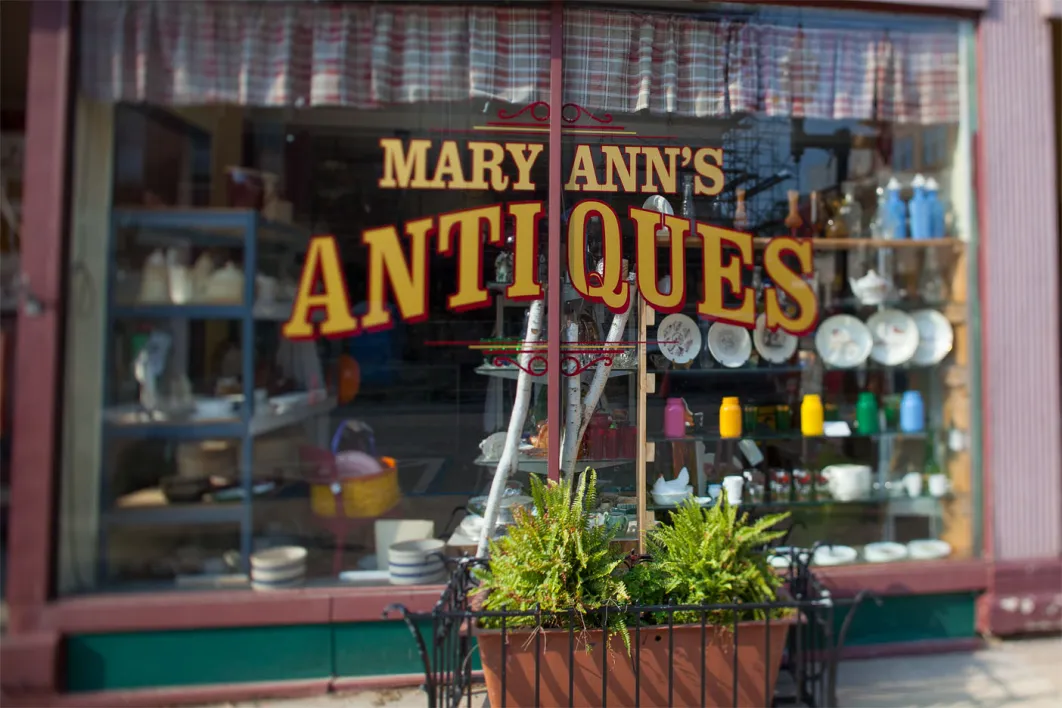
(759, 656)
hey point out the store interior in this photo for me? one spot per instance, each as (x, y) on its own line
(178, 489)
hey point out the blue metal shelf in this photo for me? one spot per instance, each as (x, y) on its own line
(179, 312)
(276, 312)
(210, 226)
(232, 228)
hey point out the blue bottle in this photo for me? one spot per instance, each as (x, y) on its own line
(895, 219)
(936, 209)
(919, 209)
(912, 412)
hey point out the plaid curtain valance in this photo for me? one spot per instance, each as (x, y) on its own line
(366, 56)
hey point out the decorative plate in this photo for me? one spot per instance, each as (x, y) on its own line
(834, 555)
(928, 549)
(678, 338)
(895, 337)
(776, 347)
(843, 342)
(935, 337)
(729, 344)
(885, 552)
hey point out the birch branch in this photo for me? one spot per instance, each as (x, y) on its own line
(509, 454)
(597, 385)
(572, 410)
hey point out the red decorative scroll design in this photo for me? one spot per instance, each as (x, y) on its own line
(580, 112)
(571, 366)
(539, 111)
(531, 109)
(536, 363)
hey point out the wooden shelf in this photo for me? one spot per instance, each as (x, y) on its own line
(844, 244)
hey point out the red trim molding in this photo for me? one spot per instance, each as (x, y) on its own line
(1025, 598)
(235, 608)
(916, 578)
(37, 362)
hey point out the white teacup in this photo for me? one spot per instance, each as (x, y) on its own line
(939, 485)
(733, 485)
(848, 482)
(912, 482)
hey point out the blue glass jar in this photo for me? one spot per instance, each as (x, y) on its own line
(912, 412)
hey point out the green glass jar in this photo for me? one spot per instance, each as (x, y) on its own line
(867, 414)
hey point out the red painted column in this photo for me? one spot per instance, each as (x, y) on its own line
(38, 364)
(553, 290)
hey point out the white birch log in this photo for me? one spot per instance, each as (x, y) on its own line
(509, 454)
(573, 410)
(597, 385)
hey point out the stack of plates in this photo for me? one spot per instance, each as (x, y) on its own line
(278, 568)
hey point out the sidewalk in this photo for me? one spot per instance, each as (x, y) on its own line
(1025, 673)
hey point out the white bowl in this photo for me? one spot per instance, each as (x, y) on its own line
(834, 555)
(278, 558)
(928, 549)
(884, 552)
(275, 576)
(672, 498)
(416, 562)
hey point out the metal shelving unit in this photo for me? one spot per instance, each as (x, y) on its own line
(230, 228)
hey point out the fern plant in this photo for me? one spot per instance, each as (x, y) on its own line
(708, 557)
(553, 562)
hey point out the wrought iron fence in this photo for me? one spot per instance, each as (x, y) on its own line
(788, 658)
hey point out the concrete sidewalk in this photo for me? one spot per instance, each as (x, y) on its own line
(1025, 673)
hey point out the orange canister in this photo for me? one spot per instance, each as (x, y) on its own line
(811, 416)
(730, 418)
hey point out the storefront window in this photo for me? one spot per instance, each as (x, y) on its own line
(237, 383)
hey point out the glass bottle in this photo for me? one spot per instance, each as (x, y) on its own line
(851, 213)
(931, 284)
(741, 217)
(792, 220)
(689, 211)
(730, 418)
(818, 216)
(919, 210)
(811, 416)
(877, 224)
(895, 218)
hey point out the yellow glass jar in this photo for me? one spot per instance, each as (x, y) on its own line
(811, 416)
(730, 418)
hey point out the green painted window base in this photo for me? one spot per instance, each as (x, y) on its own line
(133, 660)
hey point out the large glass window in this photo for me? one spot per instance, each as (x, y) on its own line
(308, 298)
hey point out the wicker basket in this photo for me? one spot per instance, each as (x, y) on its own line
(358, 497)
(333, 494)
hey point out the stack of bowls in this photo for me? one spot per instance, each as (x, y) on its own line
(416, 562)
(278, 568)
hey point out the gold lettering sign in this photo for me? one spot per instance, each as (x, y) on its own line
(400, 262)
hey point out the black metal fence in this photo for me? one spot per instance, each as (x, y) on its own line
(789, 658)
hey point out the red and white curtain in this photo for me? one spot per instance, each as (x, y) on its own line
(366, 56)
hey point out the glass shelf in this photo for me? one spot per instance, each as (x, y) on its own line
(768, 436)
(914, 506)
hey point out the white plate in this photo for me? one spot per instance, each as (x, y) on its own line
(895, 337)
(659, 204)
(834, 555)
(729, 344)
(776, 347)
(884, 552)
(679, 338)
(935, 337)
(843, 342)
(928, 549)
